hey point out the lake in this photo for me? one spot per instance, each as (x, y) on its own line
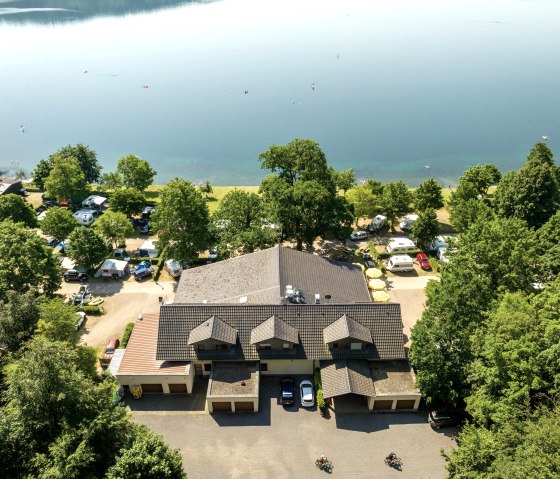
(394, 89)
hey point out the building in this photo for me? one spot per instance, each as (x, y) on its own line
(10, 185)
(274, 312)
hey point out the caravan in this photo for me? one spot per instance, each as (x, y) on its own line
(377, 223)
(401, 262)
(402, 245)
(407, 222)
(95, 202)
(84, 217)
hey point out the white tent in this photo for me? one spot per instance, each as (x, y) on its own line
(112, 267)
(150, 248)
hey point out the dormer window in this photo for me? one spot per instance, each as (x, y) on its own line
(200, 347)
(265, 346)
(355, 345)
(221, 347)
(286, 346)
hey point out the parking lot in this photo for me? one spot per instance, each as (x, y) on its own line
(283, 442)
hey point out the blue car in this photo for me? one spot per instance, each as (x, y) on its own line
(287, 391)
(143, 273)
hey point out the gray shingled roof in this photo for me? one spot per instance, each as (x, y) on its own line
(383, 320)
(346, 328)
(212, 328)
(346, 377)
(274, 328)
(262, 277)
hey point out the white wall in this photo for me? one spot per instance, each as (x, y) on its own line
(130, 380)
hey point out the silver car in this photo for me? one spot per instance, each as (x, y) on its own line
(307, 393)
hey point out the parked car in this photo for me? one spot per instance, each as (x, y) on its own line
(443, 418)
(307, 393)
(213, 252)
(73, 275)
(145, 229)
(423, 261)
(148, 210)
(143, 265)
(287, 391)
(143, 273)
(50, 204)
(174, 268)
(52, 242)
(358, 235)
(113, 344)
(81, 318)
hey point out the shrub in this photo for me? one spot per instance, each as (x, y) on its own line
(126, 334)
(321, 404)
(91, 310)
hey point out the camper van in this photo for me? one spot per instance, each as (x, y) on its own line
(173, 267)
(377, 223)
(407, 222)
(401, 262)
(402, 245)
(95, 202)
(439, 242)
(84, 217)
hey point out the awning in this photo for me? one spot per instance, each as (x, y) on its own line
(346, 377)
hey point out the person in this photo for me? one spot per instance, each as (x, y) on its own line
(322, 458)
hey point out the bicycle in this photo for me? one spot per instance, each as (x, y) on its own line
(324, 464)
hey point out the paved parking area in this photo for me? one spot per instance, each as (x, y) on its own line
(284, 442)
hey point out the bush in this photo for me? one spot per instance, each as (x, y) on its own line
(126, 334)
(91, 310)
(321, 404)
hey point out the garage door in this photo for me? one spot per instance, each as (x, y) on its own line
(405, 404)
(244, 406)
(151, 388)
(384, 404)
(221, 406)
(178, 388)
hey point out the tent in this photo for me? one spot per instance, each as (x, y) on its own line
(113, 268)
(149, 249)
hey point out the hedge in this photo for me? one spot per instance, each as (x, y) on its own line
(126, 334)
(321, 404)
(91, 310)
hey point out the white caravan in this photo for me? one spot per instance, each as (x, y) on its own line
(401, 262)
(401, 245)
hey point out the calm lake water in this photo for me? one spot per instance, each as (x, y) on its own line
(199, 89)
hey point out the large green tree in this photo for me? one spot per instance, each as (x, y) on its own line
(41, 172)
(58, 322)
(66, 180)
(25, 261)
(364, 202)
(129, 201)
(300, 193)
(59, 222)
(181, 220)
(532, 193)
(136, 173)
(481, 177)
(19, 314)
(428, 196)
(425, 228)
(345, 179)
(86, 247)
(114, 227)
(87, 160)
(148, 457)
(396, 200)
(15, 208)
(112, 181)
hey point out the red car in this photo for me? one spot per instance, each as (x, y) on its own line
(423, 261)
(113, 344)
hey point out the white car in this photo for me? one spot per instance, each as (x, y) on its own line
(80, 319)
(307, 394)
(213, 252)
(358, 235)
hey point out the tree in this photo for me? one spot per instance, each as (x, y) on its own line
(128, 201)
(364, 202)
(18, 319)
(396, 201)
(425, 228)
(112, 181)
(375, 186)
(15, 208)
(181, 220)
(300, 194)
(148, 457)
(345, 179)
(25, 261)
(59, 222)
(58, 322)
(532, 193)
(241, 209)
(428, 196)
(206, 188)
(468, 212)
(114, 227)
(481, 177)
(136, 173)
(86, 247)
(87, 160)
(42, 172)
(66, 179)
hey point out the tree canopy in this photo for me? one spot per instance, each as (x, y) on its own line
(364, 202)
(59, 222)
(58, 322)
(425, 228)
(129, 201)
(41, 172)
(25, 261)
(428, 196)
(114, 227)
(19, 314)
(396, 200)
(481, 177)
(87, 160)
(135, 172)
(86, 247)
(181, 220)
(15, 208)
(345, 179)
(66, 180)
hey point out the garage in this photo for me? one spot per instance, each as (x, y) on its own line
(405, 404)
(218, 406)
(178, 388)
(244, 406)
(151, 388)
(379, 405)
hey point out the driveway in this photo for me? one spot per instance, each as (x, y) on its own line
(282, 442)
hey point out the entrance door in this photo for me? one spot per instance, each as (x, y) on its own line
(198, 369)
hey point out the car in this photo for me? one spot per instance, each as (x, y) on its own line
(358, 235)
(143, 273)
(213, 252)
(287, 391)
(143, 265)
(148, 210)
(145, 229)
(73, 275)
(52, 242)
(50, 204)
(121, 253)
(112, 344)
(307, 393)
(443, 418)
(81, 318)
(423, 261)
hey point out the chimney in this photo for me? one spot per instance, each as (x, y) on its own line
(317, 298)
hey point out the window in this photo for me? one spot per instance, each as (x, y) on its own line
(355, 345)
(200, 347)
(265, 346)
(334, 345)
(221, 347)
(286, 346)
(208, 367)
(264, 367)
